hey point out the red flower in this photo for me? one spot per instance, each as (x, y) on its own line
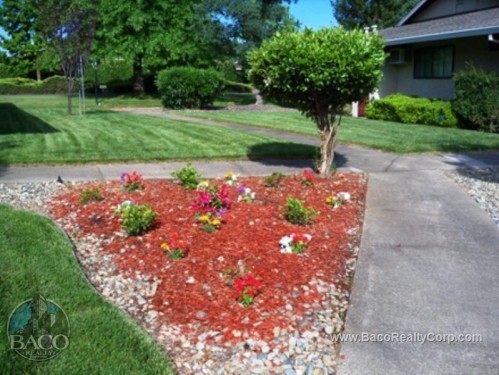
(248, 285)
(308, 177)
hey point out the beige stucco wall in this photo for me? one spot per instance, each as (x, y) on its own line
(444, 8)
(400, 78)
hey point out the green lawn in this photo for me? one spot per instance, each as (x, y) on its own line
(383, 135)
(222, 101)
(36, 257)
(36, 130)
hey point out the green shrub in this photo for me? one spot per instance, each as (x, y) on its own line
(412, 110)
(477, 99)
(90, 195)
(186, 87)
(188, 176)
(135, 218)
(54, 85)
(274, 180)
(26, 86)
(296, 212)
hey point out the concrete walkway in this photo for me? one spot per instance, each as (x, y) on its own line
(429, 259)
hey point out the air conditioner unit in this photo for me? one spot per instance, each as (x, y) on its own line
(398, 56)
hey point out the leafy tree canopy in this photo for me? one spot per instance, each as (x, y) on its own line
(352, 14)
(27, 50)
(245, 24)
(152, 34)
(317, 73)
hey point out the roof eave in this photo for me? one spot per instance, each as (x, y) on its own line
(411, 12)
(442, 36)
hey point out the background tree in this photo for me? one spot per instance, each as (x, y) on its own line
(243, 25)
(318, 73)
(352, 14)
(152, 34)
(69, 26)
(27, 50)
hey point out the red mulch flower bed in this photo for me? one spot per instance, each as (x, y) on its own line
(249, 236)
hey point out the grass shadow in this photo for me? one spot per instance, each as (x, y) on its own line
(283, 154)
(4, 146)
(15, 120)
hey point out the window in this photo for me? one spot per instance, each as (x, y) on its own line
(434, 62)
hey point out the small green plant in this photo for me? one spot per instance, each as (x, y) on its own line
(296, 212)
(90, 195)
(135, 218)
(188, 176)
(274, 180)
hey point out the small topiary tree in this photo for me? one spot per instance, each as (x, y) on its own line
(186, 87)
(318, 72)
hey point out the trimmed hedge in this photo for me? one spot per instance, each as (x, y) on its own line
(20, 86)
(477, 99)
(186, 87)
(412, 110)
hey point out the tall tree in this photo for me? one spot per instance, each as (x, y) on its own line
(68, 25)
(152, 34)
(352, 14)
(27, 50)
(246, 24)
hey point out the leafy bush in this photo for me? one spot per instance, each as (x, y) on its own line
(90, 195)
(477, 99)
(412, 110)
(188, 176)
(186, 87)
(135, 218)
(296, 212)
(274, 180)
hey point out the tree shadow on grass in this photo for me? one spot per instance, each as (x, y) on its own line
(283, 154)
(4, 146)
(15, 120)
(290, 154)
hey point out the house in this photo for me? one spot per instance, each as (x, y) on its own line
(436, 39)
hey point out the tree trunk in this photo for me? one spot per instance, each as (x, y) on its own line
(327, 151)
(329, 133)
(38, 75)
(138, 77)
(69, 83)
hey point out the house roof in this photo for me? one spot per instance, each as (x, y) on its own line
(482, 22)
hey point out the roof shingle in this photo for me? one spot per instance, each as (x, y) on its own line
(482, 22)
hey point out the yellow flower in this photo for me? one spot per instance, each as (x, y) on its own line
(165, 246)
(329, 200)
(229, 175)
(215, 222)
(204, 218)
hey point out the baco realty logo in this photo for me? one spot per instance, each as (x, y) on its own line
(38, 329)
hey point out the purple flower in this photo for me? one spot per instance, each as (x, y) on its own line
(123, 176)
(222, 211)
(241, 189)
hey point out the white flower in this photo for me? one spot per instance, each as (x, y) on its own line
(230, 178)
(344, 196)
(285, 244)
(124, 204)
(203, 185)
